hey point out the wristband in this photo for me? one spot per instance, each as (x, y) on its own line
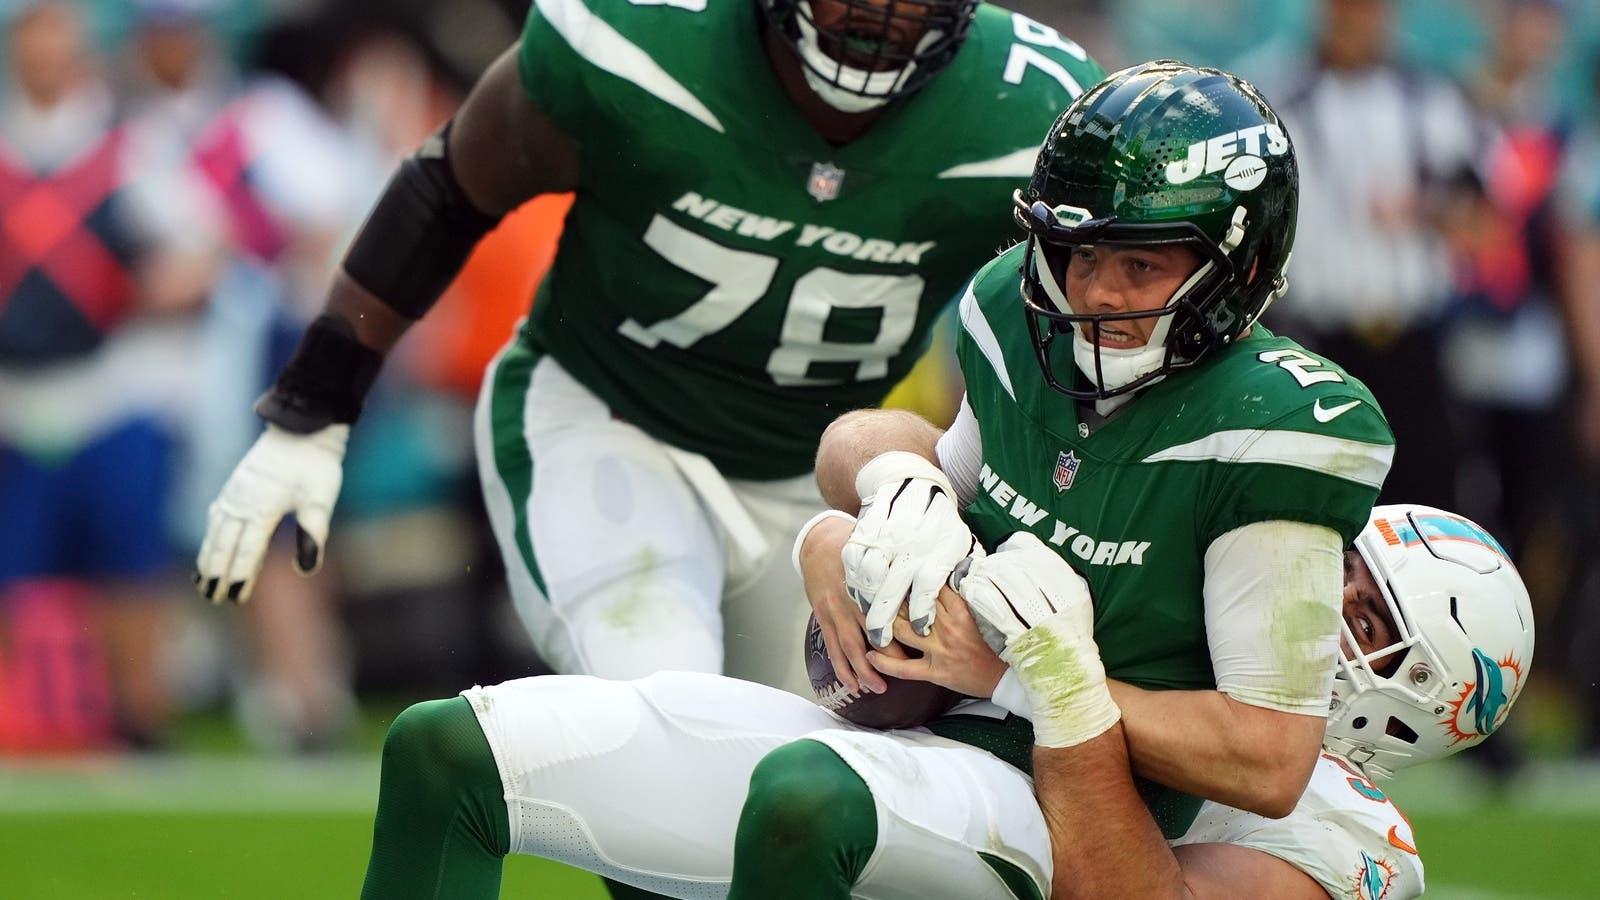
(325, 382)
(805, 531)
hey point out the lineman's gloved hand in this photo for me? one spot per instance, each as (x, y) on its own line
(907, 540)
(1035, 610)
(284, 473)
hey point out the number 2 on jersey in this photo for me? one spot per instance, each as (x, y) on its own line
(739, 279)
(1299, 365)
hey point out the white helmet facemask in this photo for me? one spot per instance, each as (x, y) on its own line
(1119, 366)
(852, 90)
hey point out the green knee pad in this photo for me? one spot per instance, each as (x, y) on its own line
(442, 829)
(807, 829)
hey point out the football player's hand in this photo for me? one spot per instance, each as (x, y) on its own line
(1027, 597)
(840, 619)
(282, 474)
(954, 654)
(907, 541)
(1020, 585)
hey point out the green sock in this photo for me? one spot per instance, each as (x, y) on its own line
(442, 830)
(807, 830)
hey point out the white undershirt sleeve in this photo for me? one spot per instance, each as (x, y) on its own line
(960, 452)
(1273, 597)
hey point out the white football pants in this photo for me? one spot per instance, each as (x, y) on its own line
(643, 781)
(626, 556)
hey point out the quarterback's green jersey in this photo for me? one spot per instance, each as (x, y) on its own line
(727, 279)
(1263, 430)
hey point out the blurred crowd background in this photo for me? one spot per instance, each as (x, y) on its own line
(179, 177)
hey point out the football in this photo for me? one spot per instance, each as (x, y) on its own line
(905, 704)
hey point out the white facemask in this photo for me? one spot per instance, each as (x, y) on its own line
(1118, 366)
(857, 90)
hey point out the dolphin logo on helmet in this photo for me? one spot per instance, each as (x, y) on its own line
(1489, 699)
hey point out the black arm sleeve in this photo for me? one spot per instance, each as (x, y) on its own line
(420, 234)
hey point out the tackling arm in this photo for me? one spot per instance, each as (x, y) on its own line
(855, 438)
(1088, 799)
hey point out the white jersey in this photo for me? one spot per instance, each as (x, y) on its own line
(1345, 833)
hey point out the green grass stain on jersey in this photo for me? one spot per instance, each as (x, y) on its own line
(1302, 622)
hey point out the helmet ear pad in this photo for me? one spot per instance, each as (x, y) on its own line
(1195, 334)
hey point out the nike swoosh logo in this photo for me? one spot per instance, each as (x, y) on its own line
(1328, 415)
(1395, 840)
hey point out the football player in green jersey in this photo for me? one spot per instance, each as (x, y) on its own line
(1207, 497)
(1437, 639)
(1203, 474)
(773, 202)
(644, 780)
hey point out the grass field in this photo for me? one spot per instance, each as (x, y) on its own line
(321, 855)
(206, 855)
(228, 827)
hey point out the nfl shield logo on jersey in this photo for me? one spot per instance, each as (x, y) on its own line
(1066, 470)
(825, 181)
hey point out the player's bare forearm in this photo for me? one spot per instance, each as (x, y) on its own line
(1103, 841)
(856, 437)
(1208, 744)
(1105, 845)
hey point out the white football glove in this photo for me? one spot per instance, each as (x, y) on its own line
(907, 540)
(1036, 612)
(283, 473)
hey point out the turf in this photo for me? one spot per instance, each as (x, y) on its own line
(182, 856)
(1487, 853)
(1497, 852)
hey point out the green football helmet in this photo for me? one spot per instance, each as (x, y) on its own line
(1160, 153)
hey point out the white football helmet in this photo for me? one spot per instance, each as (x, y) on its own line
(1465, 641)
